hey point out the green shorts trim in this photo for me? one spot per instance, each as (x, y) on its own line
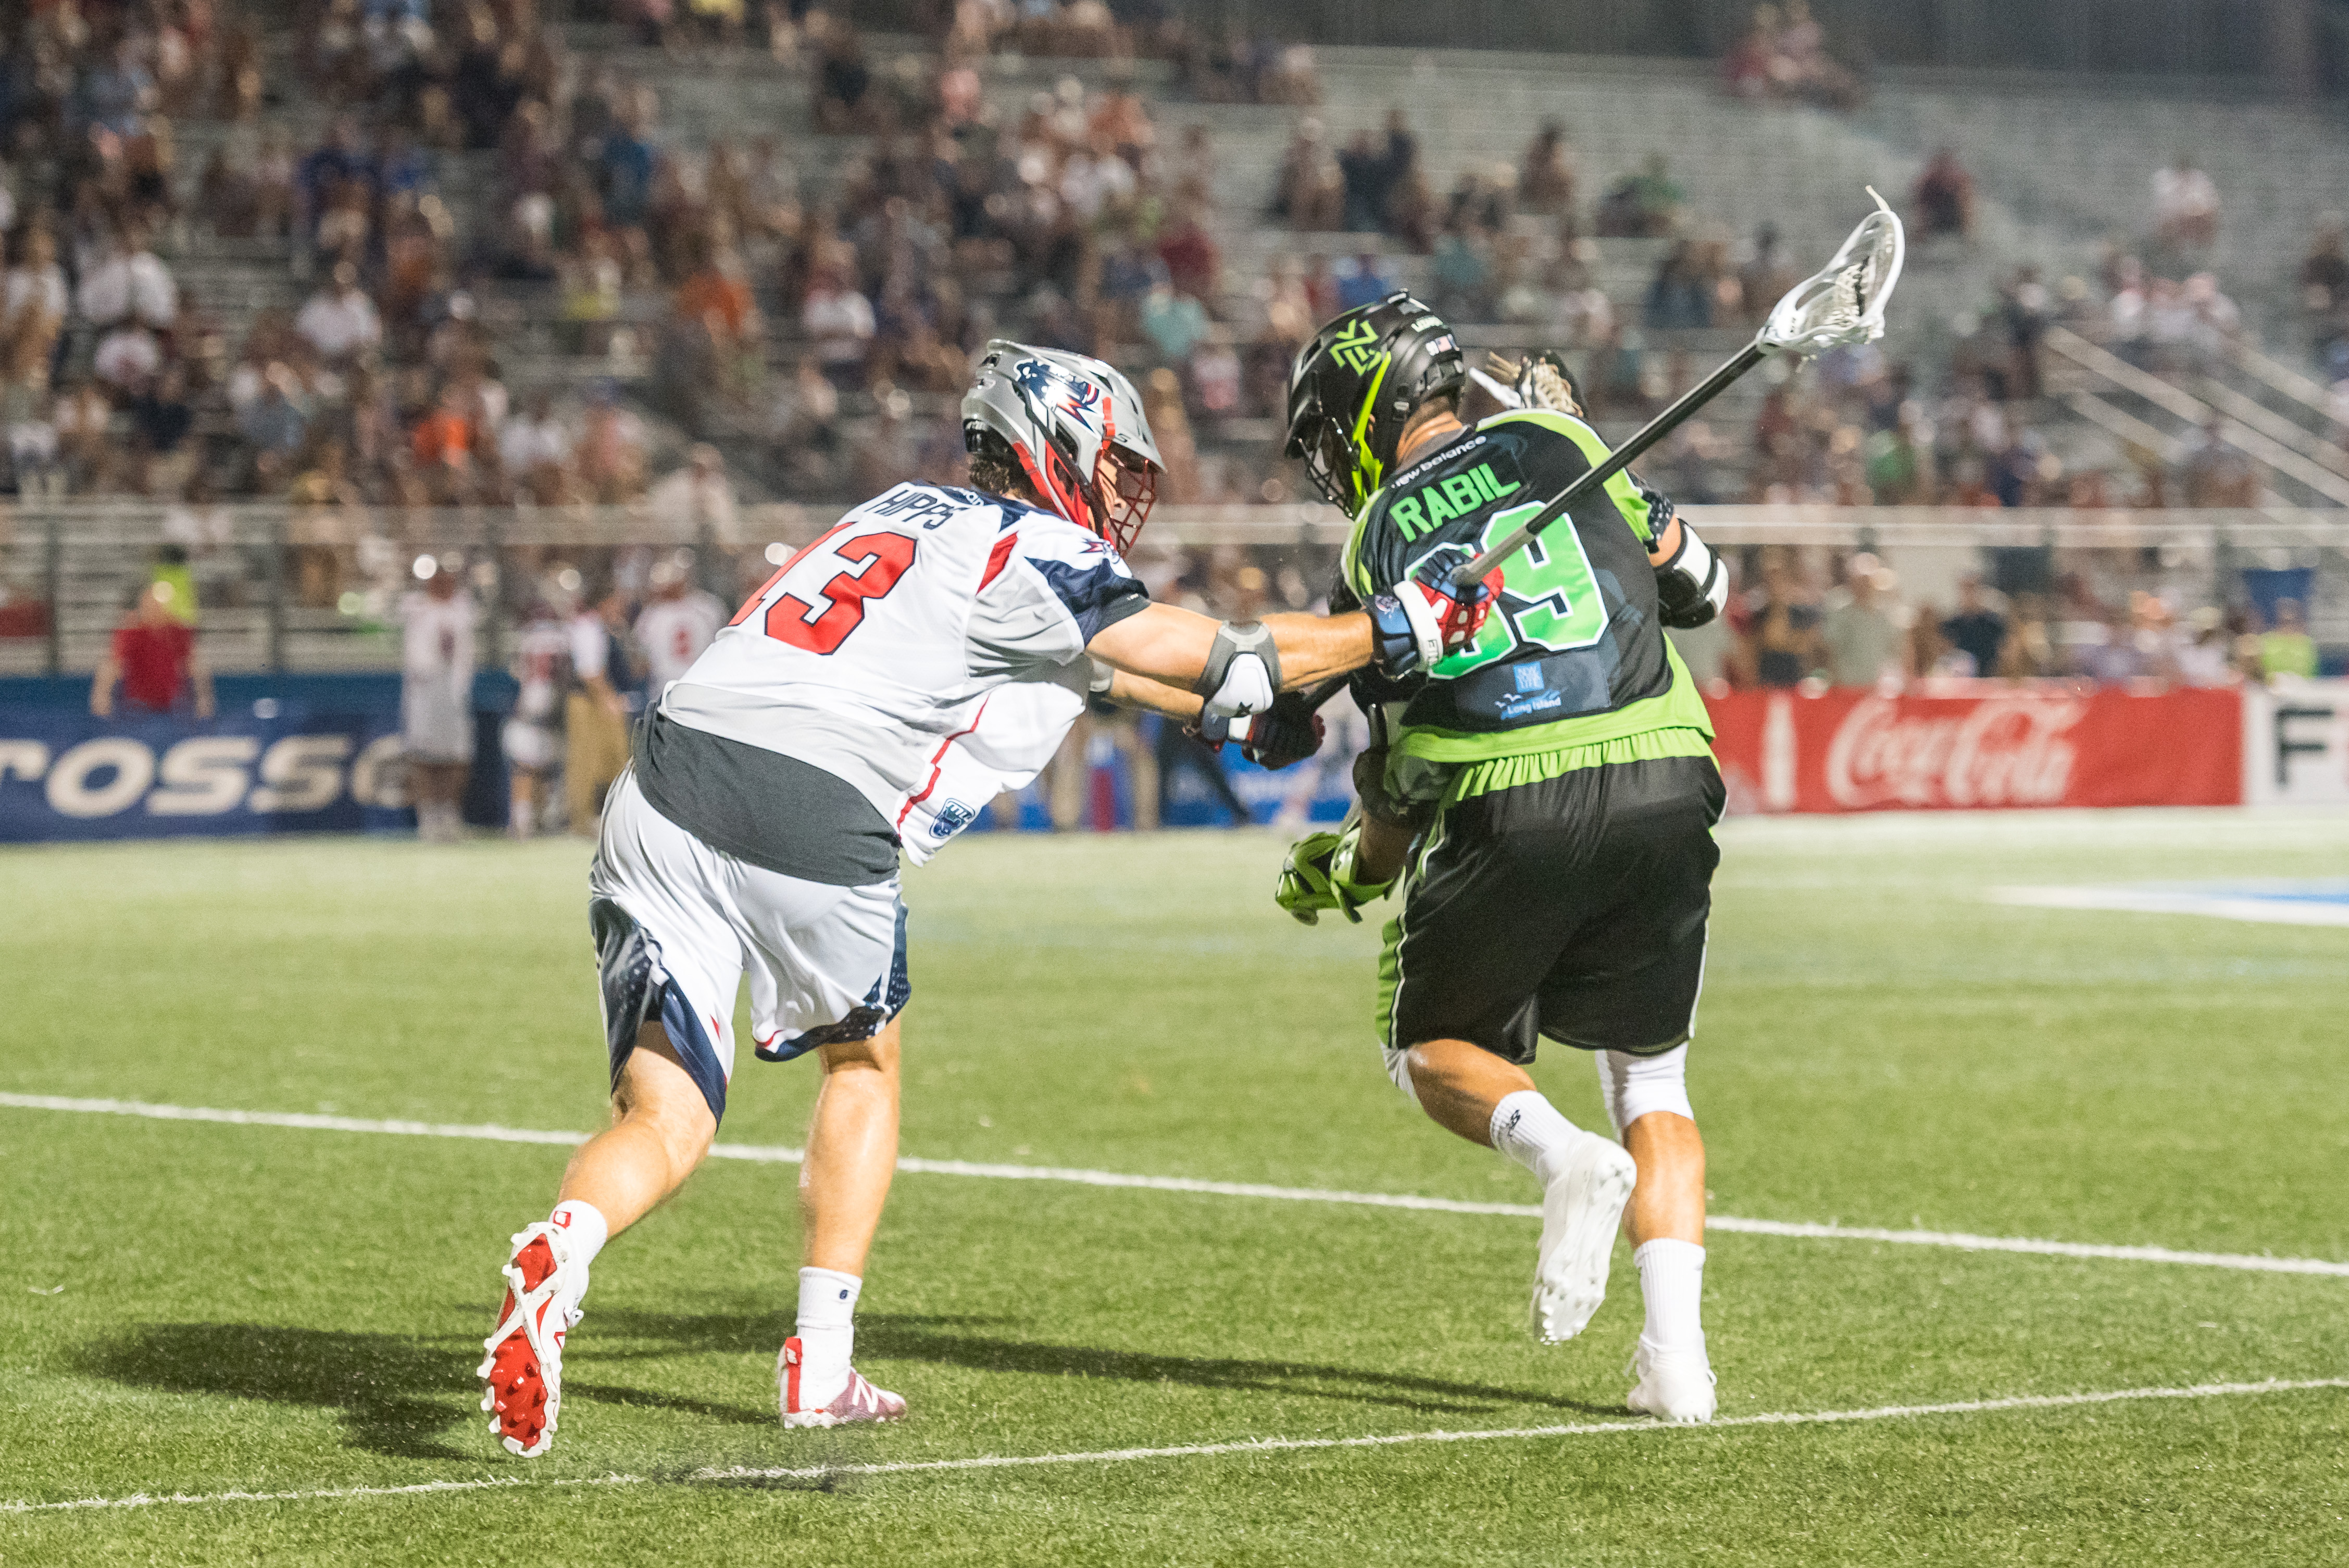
(1391, 936)
(1510, 772)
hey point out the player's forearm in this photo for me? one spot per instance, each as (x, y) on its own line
(1383, 846)
(1172, 646)
(1665, 545)
(1315, 647)
(1138, 691)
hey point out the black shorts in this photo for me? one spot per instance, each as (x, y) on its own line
(1573, 907)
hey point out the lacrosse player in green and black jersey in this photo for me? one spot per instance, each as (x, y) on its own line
(1547, 795)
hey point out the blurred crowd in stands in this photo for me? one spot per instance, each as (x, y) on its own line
(383, 385)
(1843, 619)
(369, 257)
(1783, 55)
(605, 269)
(479, 219)
(1864, 428)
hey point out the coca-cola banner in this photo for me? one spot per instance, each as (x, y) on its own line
(1998, 747)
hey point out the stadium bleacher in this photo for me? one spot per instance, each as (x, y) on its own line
(2061, 174)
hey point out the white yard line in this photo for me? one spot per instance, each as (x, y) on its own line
(2237, 904)
(740, 1473)
(777, 1155)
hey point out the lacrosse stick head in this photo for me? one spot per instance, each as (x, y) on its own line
(1845, 302)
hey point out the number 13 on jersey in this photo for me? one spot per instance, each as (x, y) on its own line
(827, 602)
(1548, 597)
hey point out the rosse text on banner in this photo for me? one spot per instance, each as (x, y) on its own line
(287, 769)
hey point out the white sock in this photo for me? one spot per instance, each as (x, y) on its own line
(583, 1228)
(1671, 1278)
(518, 816)
(827, 1332)
(1531, 1131)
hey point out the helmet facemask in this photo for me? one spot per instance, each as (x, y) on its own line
(1113, 505)
(1124, 488)
(1076, 431)
(1334, 466)
(1357, 384)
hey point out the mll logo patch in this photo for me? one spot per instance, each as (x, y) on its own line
(953, 818)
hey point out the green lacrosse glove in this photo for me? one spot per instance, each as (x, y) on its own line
(1318, 874)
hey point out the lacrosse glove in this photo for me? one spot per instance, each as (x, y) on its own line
(1318, 874)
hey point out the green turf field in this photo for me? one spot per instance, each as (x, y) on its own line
(197, 1308)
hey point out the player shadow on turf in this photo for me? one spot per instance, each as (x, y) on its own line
(886, 1336)
(397, 1396)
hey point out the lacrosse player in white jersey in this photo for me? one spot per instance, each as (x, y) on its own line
(677, 625)
(929, 650)
(532, 736)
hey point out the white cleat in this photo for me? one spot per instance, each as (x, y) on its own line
(521, 1374)
(1581, 1210)
(1676, 1388)
(858, 1404)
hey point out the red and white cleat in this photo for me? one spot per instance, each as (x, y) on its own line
(522, 1376)
(859, 1402)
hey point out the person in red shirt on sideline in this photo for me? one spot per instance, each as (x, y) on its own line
(153, 658)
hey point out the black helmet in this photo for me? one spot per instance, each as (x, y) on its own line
(1357, 384)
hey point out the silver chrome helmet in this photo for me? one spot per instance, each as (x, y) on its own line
(1074, 427)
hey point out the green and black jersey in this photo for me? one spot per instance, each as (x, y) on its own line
(1574, 655)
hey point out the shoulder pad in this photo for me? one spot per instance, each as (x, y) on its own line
(1551, 419)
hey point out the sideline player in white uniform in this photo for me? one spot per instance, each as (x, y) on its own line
(532, 736)
(890, 679)
(436, 697)
(676, 626)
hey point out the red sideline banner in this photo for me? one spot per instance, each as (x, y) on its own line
(2000, 746)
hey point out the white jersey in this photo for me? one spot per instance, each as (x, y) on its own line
(873, 652)
(1014, 734)
(542, 661)
(672, 632)
(436, 643)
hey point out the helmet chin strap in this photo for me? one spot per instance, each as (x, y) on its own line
(1069, 501)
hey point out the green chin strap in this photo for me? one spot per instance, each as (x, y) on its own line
(1369, 473)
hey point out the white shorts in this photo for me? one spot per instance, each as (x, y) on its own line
(436, 720)
(535, 746)
(827, 963)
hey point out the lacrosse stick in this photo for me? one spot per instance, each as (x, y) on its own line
(1844, 303)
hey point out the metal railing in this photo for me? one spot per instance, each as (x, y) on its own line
(287, 588)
